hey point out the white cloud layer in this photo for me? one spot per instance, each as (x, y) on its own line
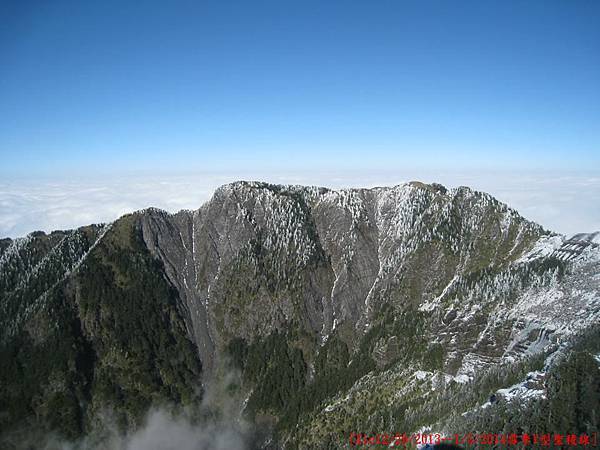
(567, 203)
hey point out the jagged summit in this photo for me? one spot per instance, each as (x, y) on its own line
(310, 191)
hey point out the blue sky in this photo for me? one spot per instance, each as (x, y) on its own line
(89, 87)
(107, 107)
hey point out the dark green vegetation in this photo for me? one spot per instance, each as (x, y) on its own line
(111, 336)
(571, 404)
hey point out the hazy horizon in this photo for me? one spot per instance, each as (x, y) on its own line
(562, 203)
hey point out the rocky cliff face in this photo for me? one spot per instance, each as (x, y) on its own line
(325, 259)
(343, 311)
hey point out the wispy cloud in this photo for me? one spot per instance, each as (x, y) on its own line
(566, 203)
(216, 424)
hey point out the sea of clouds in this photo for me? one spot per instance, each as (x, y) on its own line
(564, 202)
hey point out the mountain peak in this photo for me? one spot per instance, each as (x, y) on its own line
(317, 297)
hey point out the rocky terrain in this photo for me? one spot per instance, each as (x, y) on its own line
(311, 313)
